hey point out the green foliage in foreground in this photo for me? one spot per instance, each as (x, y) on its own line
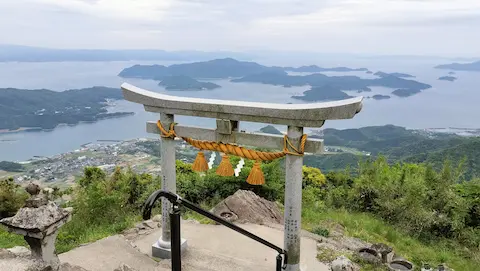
(11, 197)
(426, 215)
(371, 229)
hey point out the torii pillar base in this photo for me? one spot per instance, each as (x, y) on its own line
(163, 250)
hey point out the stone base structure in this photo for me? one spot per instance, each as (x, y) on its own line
(39, 221)
(162, 250)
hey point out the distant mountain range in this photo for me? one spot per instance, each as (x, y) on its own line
(323, 87)
(37, 54)
(473, 66)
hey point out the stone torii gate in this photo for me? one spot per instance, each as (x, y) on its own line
(228, 115)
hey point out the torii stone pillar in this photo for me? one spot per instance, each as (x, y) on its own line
(228, 115)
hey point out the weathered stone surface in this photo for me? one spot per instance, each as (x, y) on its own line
(352, 243)
(125, 267)
(306, 115)
(36, 219)
(150, 224)
(385, 251)
(369, 255)
(69, 267)
(20, 251)
(33, 189)
(342, 263)
(14, 263)
(6, 254)
(157, 218)
(246, 207)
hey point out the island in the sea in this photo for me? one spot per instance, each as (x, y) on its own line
(334, 85)
(405, 92)
(380, 97)
(45, 109)
(323, 93)
(396, 74)
(473, 66)
(252, 72)
(447, 78)
(182, 82)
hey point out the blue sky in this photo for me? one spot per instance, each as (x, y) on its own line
(433, 27)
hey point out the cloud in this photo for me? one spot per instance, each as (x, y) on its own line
(358, 26)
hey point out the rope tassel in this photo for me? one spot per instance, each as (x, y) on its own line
(200, 164)
(256, 175)
(225, 168)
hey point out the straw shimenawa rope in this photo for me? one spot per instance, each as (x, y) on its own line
(256, 175)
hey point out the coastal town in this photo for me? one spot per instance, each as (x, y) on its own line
(141, 155)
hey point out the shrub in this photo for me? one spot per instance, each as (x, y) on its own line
(12, 197)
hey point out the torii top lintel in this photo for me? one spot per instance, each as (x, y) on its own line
(300, 115)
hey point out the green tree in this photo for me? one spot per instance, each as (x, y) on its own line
(12, 197)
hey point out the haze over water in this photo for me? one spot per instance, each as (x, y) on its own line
(446, 104)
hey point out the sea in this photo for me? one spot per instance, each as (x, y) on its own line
(446, 104)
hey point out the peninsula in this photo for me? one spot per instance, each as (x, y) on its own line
(45, 109)
(182, 82)
(473, 66)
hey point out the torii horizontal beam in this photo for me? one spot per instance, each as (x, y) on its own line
(299, 115)
(313, 145)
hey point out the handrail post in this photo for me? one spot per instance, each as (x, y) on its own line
(175, 238)
(278, 266)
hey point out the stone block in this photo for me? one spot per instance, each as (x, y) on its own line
(163, 251)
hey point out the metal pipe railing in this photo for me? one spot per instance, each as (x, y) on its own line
(177, 201)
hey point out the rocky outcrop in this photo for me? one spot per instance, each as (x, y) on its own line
(246, 207)
(342, 263)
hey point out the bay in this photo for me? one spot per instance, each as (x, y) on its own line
(446, 104)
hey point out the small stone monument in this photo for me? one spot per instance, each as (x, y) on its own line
(39, 221)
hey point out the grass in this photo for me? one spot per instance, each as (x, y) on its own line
(371, 229)
(8, 240)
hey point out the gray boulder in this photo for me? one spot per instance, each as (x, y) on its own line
(342, 263)
(246, 207)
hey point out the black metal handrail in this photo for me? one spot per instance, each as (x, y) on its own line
(177, 201)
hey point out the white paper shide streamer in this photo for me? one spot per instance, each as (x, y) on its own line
(239, 167)
(211, 160)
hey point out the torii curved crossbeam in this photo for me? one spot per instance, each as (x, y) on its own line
(303, 115)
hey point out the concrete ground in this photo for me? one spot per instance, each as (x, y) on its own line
(229, 250)
(210, 247)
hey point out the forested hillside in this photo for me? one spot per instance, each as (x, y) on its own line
(399, 144)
